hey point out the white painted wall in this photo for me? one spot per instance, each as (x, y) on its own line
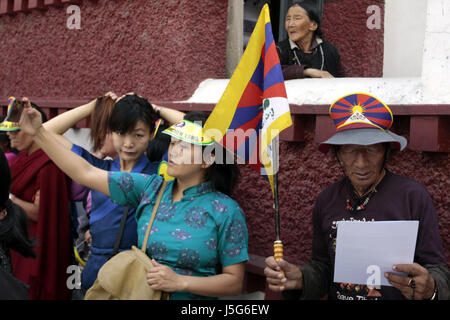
(80, 137)
(404, 32)
(436, 57)
(326, 91)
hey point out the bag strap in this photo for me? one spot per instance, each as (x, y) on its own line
(123, 222)
(120, 232)
(155, 208)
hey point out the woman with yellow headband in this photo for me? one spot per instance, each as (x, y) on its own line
(199, 237)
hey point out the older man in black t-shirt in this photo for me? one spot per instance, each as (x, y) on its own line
(368, 192)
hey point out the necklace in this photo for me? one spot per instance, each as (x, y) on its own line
(360, 203)
(321, 52)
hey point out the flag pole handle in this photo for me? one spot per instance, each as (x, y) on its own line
(278, 250)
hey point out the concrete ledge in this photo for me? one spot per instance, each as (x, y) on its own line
(400, 91)
(310, 99)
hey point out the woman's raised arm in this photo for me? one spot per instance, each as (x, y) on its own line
(170, 115)
(63, 122)
(66, 120)
(74, 166)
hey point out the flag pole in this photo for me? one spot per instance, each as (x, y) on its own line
(278, 244)
(276, 207)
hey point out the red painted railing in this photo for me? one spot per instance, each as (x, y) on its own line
(429, 124)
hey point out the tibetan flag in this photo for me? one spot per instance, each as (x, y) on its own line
(254, 108)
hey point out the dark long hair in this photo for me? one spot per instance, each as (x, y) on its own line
(103, 109)
(13, 227)
(223, 176)
(312, 13)
(159, 145)
(43, 115)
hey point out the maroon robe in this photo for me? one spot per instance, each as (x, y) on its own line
(46, 274)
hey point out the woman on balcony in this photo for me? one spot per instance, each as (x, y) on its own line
(305, 54)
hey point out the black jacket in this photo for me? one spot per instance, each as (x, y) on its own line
(291, 69)
(12, 288)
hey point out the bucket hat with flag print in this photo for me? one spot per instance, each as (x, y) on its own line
(362, 119)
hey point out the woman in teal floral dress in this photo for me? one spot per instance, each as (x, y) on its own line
(199, 239)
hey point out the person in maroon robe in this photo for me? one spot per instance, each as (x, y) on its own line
(42, 190)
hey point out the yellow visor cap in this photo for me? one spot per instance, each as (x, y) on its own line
(190, 132)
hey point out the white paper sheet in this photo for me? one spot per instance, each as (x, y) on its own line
(366, 250)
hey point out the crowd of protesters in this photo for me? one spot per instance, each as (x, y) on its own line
(199, 239)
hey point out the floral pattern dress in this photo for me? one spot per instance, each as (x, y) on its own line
(195, 236)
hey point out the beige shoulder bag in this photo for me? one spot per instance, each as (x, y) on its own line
(124, 276)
